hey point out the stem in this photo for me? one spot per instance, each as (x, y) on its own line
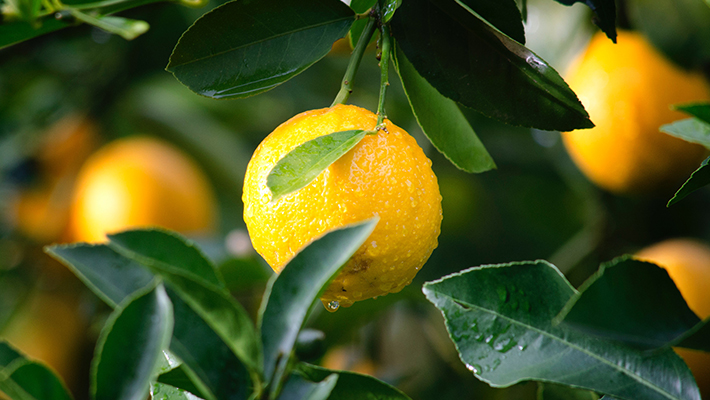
(384, 72)
(347, 85)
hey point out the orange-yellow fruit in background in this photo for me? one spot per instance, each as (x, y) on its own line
(139, 182)
(688, 263)
(344, 358)
(627, 89)
(385, 175)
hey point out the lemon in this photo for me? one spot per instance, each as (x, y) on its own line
(140, 182)
(385, 175)
(628, 89)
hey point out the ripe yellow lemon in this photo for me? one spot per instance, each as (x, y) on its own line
(385, 175)
(139, 182)
(627, 89)
(688, 263)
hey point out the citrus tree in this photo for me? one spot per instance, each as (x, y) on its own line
(344, 206)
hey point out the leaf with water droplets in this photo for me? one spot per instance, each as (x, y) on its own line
(514, 339)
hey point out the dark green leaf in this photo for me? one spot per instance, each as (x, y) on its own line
(22, 379)
(166, 250)
(631, 301)
(131, 346)
(352, 386)
(499, 317)
(679, 28)
(299, 285)
(691, 130)
(297, 388)
(180, 378)
(604, 14)
(243, 274)
(388, 9)
(698, 179)
(551, 391)
(16, 32)
(359, 6)
(469, 62)
(698, 339)
(442, 121)
(243, 48)
(109, 275)
(303, 164)
(161, 391)
(700, 111)
(128, 29)
(502, 14)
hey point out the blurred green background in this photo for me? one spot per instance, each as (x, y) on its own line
(535, 205)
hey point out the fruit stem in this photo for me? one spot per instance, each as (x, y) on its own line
(386, 45)
(347, 85)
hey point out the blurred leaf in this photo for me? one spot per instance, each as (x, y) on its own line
(131, 346)
(698, 179)
(499, 317)
(352, 386)
(442, 121)
(679, 28)
(16, 32)
(632, 301)
(293, 292)
(691, 130)
(243, 48)
(551, 391)
(166, 250)
(22, 379)
(109, 275)
(297, 388)
(303, 164)
(471, 63)
(604, 14)
(700, 111)
(128, 29)
(388, 9)
(242, 274)
(161, 391)
(502, 14)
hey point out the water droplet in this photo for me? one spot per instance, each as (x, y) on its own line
(489, 338)
(522, 347)
(333, 306)
(474, 368)
(503, 346)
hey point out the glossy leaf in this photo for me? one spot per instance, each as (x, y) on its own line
(474, 64)
(604, 14)
(698, 179)
(442, 121)
(630, 301)
(168, 251)
(352, 386)
(388, 9)
(22, 379)
(700, 111)
(303, 164)
(502, 14)
(128, 29)
(500, 319)
(297, 388)
(243, 48)
(180, 378)
(109, 275)
(163, 391)
(131, 346)
(691, 130)
(298, 286)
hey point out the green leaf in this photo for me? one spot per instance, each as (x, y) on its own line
(472, 63)
(166, 392)
(388, 9)
(298, 286)
(22, 379)
(501, 14)
(442, 121)
(166, 251)
(359, 6)
(303, 164)
(19, 31)
(131, 346)
(678, 28)
(604, 14)
(691, 130)
(109, 275)
(632, 301)
(698, 179)
(297, 388)
(128, 29)
(243, 48)
(700, 111)
(551, 391)
(698, 339)
(352, 386)
(500, 319)
(180, 378)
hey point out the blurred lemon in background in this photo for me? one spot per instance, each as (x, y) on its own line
(138, 182)
(628, 89)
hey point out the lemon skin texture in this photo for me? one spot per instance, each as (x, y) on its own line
(688, 264)
(627, 89)
(141, 182)
(385, 175)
